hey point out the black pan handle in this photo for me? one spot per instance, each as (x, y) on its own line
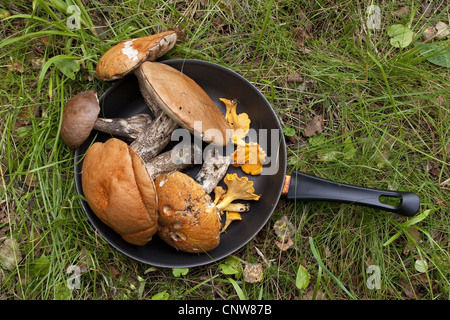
(306, 187)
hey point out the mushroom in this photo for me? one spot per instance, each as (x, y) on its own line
(120, 191)
(123, 58)
(238, 189)
(188, 220)
(80, 117)
(250, 157)
(240, 123)
(181, 102)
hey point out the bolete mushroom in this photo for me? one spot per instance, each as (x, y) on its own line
(120, 190)
(123, 58)
(80, 117)
(181, 102)
(189, 220)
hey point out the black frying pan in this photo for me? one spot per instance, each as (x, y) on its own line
(124, 99)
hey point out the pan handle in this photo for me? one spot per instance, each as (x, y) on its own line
(305, 187)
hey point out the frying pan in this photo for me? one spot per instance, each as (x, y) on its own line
(124, 99)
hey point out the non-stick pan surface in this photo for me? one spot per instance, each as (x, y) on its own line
(124, 99)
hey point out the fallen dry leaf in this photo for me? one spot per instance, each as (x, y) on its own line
(442, 30)
(285, 245)
(16, 66)
(10, 254)
(284, 228)
(315, 126)
(253, 272)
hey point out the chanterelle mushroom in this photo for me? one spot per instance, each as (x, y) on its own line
(240, 123)
(120, 190)
(126, 56)
(250, 157)
(80, 117)
(238, 189)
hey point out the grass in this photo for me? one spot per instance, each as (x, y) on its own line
(386, 125)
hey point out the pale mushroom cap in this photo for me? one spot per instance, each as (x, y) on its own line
(189, 220)
(119, 190)
(79, 116)
(126, 56)
(184, 101)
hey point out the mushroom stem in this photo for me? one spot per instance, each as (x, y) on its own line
(168, 161)
(155, 138)
(237, 207)
(213, 170)
(126, 128)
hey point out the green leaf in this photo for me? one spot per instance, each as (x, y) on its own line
(401, 36)
(178, 272)
(405, 225)
(328, 272)
(62, 63)
(67, 65)
(231, 266)
(435, 54)
(421, 266)
(62, 292)
(41, 266)
(289, 132)
(302, 278)
(238, 289)
(161, 296)
(416, 219)
(392, 239)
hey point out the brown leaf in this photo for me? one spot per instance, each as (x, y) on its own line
(253, 272)
(402, 12)
(294, 77)
(315, 126)
(301, 34)
(16, 67)
(284, 245)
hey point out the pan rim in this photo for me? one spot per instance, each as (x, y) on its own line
(282, 159)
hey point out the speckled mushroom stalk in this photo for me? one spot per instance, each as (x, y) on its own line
(124, 128)
(214, 168)
(175, 100)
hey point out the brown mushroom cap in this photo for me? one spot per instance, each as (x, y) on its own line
(79, 116)
(119, 190)
(184, 101)
(126, 56)
(189, 220)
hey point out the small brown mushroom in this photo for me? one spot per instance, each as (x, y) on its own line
(120, 190)
(80, 117)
